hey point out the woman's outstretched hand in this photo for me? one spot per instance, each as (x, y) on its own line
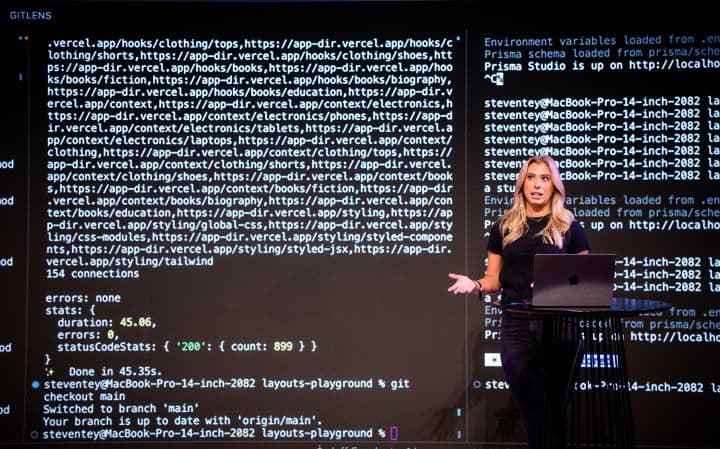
(463, 285)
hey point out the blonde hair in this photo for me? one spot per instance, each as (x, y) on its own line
(513, 224)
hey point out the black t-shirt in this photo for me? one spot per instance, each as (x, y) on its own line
(518, 257)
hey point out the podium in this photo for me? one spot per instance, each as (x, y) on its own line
(596, 404)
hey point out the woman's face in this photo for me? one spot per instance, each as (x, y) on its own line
(538, 188)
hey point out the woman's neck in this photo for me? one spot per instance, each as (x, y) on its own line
(535, 213)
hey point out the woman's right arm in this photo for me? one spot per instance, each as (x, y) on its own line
(490, 283)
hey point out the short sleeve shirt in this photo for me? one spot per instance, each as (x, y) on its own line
(518, 257)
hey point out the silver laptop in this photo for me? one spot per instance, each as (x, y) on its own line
(573, 280)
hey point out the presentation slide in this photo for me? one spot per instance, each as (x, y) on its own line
(230, 224)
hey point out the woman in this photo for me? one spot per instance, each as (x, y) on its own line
(537, 222)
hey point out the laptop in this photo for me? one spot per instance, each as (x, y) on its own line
(573, 280)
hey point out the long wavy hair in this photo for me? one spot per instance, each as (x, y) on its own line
(513, 224)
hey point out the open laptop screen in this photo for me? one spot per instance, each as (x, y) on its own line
(573, 280)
